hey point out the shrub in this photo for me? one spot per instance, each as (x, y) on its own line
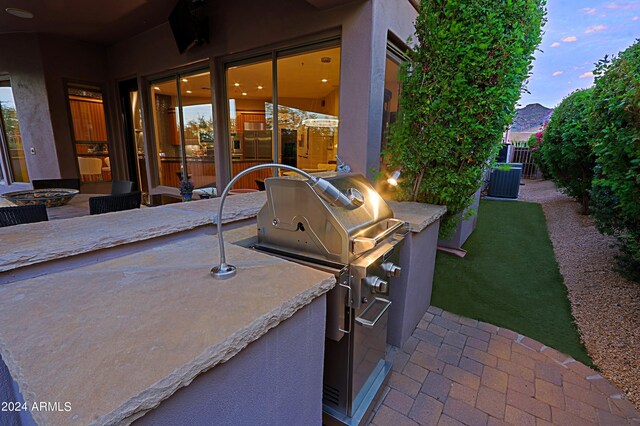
(567, 146)
(459, 90)
(616, 124)
(535, 143)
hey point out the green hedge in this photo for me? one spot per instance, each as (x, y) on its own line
(459, 92)
(616, 123)
(566, 147)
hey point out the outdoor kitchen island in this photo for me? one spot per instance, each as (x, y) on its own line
(107, 337)
(119, 321)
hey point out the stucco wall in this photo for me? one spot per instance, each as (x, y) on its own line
(22, 60)
(364, 42)
(275, 380)
(411, 292)
(38, 65)
(69, 60)
(247, 26)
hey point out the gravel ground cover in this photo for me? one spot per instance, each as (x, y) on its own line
(605, 305)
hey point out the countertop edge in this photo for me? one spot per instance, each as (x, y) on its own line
(418, 215)
(147, 400)
(237, 208)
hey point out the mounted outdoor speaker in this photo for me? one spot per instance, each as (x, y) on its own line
(190, 24)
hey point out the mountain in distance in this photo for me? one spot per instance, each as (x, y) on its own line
(531, 118)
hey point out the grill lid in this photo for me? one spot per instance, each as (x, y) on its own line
(297, 220)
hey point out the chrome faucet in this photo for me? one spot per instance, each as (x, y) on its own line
(322, 187)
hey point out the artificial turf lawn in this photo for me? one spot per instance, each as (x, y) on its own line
(510, 278)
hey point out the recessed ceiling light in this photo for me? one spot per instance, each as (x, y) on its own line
(324, 80)
(189, 91)
(20, 13)
(236, 84)
(244, 93)
(259, 87)
(156, 88)
(184, 80)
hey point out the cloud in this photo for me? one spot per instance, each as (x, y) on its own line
(589, 10)
(635, 18)
(556, 44)
(570, 39)
(586, 75)
(557, 73)
(596, 28)
(623, 6)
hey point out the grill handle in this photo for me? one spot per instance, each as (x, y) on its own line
(362, 244)
(371, 323)
(348, 287)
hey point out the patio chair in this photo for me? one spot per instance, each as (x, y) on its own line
(56, 183)
(90, 168)
(10, 216)
(114, 203)
(121, 187)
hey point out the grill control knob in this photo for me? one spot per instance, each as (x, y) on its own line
(391, 269)
(377, 284)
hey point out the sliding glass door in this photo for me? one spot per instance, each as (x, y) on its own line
(89, 132)
(250, 97)
(308, 98)
(302, 130)
(183, 127)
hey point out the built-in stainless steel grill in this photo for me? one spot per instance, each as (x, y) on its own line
(360, 245)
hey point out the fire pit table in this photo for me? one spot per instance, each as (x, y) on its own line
(50, 197)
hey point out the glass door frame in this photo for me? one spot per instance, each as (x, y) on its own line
(5, 158)
(148, 120)
(5, 163)
(125, 87)
(110, 142)
(395, 52)
(247, 58)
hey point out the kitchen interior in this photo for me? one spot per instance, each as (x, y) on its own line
(307, 94)
(308, 86)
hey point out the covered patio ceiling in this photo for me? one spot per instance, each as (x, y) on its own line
(101, 22)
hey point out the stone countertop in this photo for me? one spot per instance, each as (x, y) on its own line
(24, 245)
(417, 215)
(117, 337)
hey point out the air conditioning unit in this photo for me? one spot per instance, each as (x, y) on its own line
(505, 180)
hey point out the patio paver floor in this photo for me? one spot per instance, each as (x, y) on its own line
(455, 370)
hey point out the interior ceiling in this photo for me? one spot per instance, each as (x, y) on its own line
(300, 76)
(102, 22)
(193, 86)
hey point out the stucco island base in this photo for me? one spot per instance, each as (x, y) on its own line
(116, 338)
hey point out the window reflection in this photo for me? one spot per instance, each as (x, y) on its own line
(11, 140)
(197, 113)
(308, 98)
(250, 97)
(89, 132)
(194, 137)
(390, 105)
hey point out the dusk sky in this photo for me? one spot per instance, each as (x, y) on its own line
(577, 34)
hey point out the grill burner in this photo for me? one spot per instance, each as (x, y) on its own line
(360, 245)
